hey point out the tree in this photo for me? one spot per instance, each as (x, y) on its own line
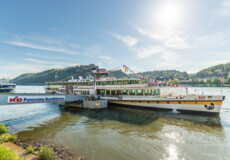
(202, 82)
(228, 78)
(217, 81)
(174, 82)
(209, 82)
(143, 81)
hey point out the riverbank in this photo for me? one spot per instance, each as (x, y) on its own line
(19, 147)
(60, 152)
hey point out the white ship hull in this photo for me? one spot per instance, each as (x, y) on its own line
(189, 103)
(183, 107)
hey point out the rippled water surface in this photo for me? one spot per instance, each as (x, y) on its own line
(123, 134)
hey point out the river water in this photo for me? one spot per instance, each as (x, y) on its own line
(124, 134)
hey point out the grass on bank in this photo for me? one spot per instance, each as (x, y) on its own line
(30, 149)
(5, 137)
(46, 153)
(8, 154)
(3, 128)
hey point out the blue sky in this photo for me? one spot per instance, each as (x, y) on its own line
(143, 34)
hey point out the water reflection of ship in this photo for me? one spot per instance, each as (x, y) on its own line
(146, 118)
(48, 129)
(143, 121)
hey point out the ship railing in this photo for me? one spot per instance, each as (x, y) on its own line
(116, 86)
(102, 86)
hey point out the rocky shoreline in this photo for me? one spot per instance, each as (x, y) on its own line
(60, 151)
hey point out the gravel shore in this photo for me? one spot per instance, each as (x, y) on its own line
(59, 151)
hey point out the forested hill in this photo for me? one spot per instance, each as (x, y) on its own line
(166, 74)
(54, 75)
(214, 71)
(84, 70)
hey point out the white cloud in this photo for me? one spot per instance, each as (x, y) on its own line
(107, 58)
(167, 36)
(37, 61)
(15, 69)
(42, 47)
(128, 40)
(225, 8)
(169, 57)
(212, 40)
(46, 57)
(222, 11)
(147, 52)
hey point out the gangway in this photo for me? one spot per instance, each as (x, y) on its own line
(25, 98)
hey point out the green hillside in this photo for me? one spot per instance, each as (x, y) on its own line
(117, 74)
(166, 74)
(214, 71)
(85, 70)
(61, 74)
(54, 75)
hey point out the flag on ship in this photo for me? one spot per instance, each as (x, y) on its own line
(222, 80)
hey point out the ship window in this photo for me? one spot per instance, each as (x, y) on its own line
(150, 92)
(118, 92)
(102, 92)
(108, 92)
(157, 91)
(113, 92)
(119, 82)
(140, 92)
(131, 92)
(126, 82)
(153, 92)
(114, 82)
(125, 92)
(179, 102)
(146, 92)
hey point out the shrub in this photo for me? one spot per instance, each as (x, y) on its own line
(5, 137)
(3, 128)
(46, 153)
(30, 149)
(7, 154)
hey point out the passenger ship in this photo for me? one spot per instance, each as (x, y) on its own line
(5, 86)
(131, 93)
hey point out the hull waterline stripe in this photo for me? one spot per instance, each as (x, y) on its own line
(170, 102)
